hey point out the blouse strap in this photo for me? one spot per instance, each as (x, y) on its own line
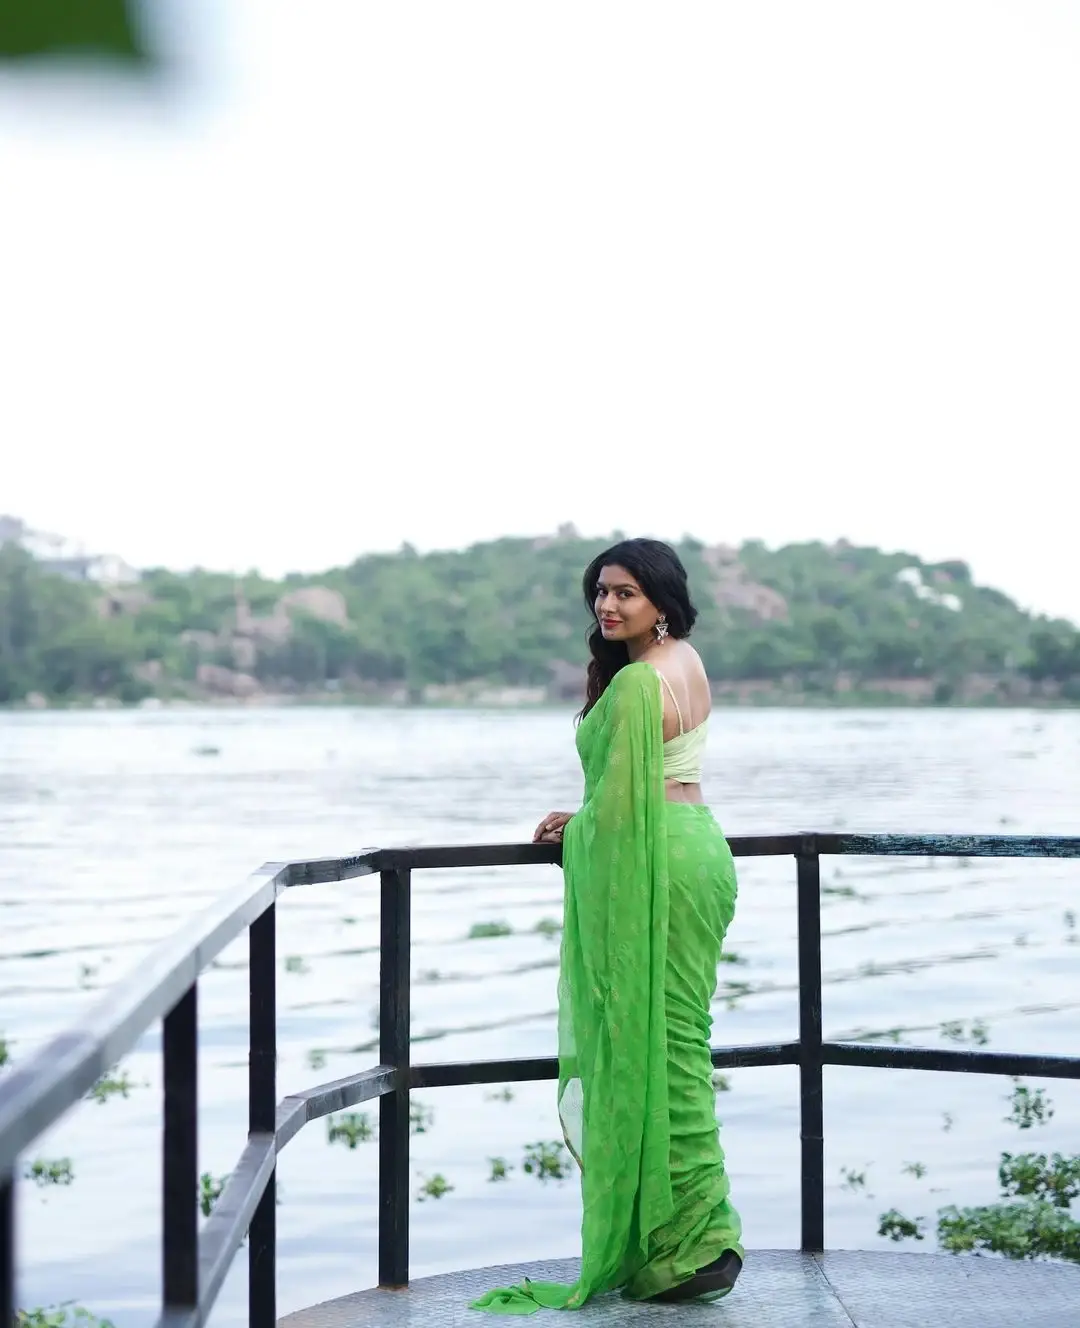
(674, 700)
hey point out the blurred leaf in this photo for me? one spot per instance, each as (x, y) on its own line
(104, 28)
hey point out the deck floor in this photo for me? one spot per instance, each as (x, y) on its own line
(777, 1289)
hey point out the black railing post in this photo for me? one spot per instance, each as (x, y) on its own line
(7, 1252)
(262, 1108)
(394, 1027)
(180, 1154)
(811, 1108)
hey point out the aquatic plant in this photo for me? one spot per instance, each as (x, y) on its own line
(111, 1085)
(547, 1161)
(210, 1189)
(500, 1168)
(65, 1315)
(978, 1033)
(297, 964)
(1029, 1106)
(895, 1226)
(421, 1117)
(1055, 1179)
(433, 1187)
(56, 1172)
(350, 1129)
(1032, 1220)
(481, 931)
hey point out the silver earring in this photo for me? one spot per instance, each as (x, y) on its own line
(661, 628)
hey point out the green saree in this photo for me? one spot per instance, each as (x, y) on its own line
(649, 893)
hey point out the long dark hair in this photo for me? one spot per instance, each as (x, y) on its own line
(658, 570)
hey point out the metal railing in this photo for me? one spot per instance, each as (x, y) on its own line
(164, 987)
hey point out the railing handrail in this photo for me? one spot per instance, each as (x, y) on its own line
(35, 1095)
(164, 986)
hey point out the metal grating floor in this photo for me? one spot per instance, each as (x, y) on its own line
(777, 1289)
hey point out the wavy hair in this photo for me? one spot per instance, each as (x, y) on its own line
(658, 570)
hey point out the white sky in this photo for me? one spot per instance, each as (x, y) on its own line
(443, 271)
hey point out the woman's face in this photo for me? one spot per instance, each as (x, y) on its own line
(621, 606)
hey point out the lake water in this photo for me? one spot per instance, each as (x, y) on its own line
(118, 825)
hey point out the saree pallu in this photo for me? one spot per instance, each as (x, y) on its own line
(649, 893)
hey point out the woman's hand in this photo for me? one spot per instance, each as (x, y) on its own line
(550, 829)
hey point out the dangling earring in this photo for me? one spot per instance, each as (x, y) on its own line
(661, 628)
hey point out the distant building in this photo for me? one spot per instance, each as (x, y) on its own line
(63, 558)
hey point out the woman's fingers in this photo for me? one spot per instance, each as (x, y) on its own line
(551, 825)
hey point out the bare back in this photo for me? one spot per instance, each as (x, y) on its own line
(682, 669)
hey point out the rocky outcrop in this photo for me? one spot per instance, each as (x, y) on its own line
(242, 640)
(220, 681)
(732, 587)
(316, 601)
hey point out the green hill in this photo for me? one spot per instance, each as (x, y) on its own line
(504, 621)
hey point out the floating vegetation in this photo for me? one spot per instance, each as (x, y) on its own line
(896, 1226)
(481, 931)
(720, 1082)
(500, 1168)
(111, 1085)
(433, 1187)
(1036, 1223)
(421, 1117)
(548, 927)
(547, 1161)
(1030, 1229)
(210, 1189)
(853, 1180)
(841, 891)
(429, 975)
(977, 1033)
(65, 1315)
(351, 1129)
(316, 1058)
(297, 964)
(916, 1169)
(1055, 1179)
(206, 749)
(878, 1035)
(505, 1094)
(730, 957)
(349, 921)
(5, 1051)
(57, 1172)
(1029, 1106)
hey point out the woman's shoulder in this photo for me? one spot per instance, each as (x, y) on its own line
(633, 677)
(676, 660)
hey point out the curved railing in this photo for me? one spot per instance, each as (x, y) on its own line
(164, 987)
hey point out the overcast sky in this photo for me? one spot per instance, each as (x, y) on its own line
(440, 272)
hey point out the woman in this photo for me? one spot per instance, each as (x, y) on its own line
(649, 894)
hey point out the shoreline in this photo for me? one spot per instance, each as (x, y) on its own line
(490, 701)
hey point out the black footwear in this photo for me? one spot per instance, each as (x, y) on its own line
(714, 1280)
